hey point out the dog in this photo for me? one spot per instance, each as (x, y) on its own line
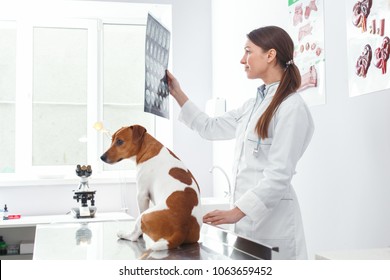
(175, 216)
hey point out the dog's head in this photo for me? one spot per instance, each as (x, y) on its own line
(126, 143)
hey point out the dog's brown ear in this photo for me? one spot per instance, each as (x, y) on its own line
(138, 132)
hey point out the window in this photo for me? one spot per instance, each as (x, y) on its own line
(77, 70)
(59, 99)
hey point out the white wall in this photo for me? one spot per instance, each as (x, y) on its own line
(342, 181)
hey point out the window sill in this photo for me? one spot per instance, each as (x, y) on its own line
(96, 179)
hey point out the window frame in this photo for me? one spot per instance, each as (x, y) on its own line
(24, 95)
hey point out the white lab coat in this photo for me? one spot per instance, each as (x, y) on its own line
(262, 181)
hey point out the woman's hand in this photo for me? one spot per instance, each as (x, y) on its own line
(175, 89)
(219, 217)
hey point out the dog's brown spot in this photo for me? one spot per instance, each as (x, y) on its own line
(175, 224)
(182, 175)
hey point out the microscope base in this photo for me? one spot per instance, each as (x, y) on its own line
(91, 213)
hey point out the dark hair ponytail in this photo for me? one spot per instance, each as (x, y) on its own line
(273, 37)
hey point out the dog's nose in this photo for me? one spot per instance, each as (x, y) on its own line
(104, 157)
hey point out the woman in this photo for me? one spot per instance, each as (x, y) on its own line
(272, 131)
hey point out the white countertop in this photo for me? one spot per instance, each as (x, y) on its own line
(81, 241)
(99, 241)
(26, 221)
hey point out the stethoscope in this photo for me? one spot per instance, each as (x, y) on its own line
(256, 149)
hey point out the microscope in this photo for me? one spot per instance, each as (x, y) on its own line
(83, 194)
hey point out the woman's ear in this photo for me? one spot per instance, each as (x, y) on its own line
(271, 55)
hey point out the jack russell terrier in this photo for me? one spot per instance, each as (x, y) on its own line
(175, 217)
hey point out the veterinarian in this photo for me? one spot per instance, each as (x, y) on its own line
(272, 131)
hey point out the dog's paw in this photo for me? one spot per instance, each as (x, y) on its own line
(132, 236)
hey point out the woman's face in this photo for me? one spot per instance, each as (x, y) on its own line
(255, 60)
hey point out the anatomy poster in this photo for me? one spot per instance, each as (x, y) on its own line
(368, 33)
(306, 21)
(156, 62)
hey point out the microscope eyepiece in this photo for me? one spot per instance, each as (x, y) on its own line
(84, 170)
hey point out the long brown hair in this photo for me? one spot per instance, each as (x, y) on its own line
(273, 37)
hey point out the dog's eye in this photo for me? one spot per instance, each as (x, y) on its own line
(119, 142)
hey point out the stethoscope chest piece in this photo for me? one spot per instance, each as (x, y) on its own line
(256, 150)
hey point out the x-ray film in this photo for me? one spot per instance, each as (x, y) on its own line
(156, 62)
